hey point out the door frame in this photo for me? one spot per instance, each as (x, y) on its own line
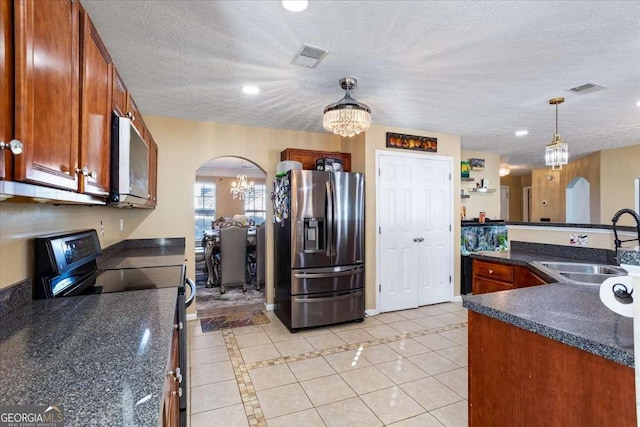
(505, 187)
(448, 159)
(526, 203)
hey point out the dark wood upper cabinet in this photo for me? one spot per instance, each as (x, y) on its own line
(46, 92)
(134, 114)
(119, 94)
(95, 129)
(308, 157)
(153, 169)
(6, 86)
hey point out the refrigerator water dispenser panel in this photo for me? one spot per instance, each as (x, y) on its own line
(312, 235)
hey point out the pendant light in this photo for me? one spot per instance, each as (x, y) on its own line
(347, 117)
(557, 152)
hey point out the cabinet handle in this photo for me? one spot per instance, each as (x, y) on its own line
(14, 145)
(179, 392)
(130, 116)
(85, 172)
(490, 271)
(179, 326)
(178, 375)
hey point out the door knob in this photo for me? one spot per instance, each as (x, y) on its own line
(415, 239)
(14, 145)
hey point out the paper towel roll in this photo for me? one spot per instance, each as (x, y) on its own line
(608, 298)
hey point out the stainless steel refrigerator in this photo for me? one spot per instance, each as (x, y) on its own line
(319, 248)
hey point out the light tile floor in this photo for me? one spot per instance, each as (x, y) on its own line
(406, 368)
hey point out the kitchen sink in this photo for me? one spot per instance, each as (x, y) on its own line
(575, 267)
(576, 272)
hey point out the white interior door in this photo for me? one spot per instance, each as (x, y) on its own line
(434, 230)
(398, 281)
(415, 252)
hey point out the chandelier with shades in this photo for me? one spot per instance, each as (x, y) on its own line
(241, 187)
(347, 117)
(557, 152)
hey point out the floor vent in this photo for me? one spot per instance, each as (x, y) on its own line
(587, 88)
(309, 56)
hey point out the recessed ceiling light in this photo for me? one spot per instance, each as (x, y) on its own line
(295, 5)
(522, 132)
(250, 90)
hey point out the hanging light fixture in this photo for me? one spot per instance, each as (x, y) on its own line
(557, 152)
(240, 187)
(504, 170)
(347, 117)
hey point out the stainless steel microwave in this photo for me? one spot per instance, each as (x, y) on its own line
(129, 164)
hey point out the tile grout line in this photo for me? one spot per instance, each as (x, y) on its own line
(252, 408)
(345, 347)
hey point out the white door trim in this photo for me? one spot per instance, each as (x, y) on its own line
(449, 159)
(506, 206)
(526, 202)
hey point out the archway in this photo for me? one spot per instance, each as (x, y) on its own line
(578, 201)
(216, 206)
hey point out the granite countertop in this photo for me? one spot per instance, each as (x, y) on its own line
(99, 356)
(571, 314)
(141, 253)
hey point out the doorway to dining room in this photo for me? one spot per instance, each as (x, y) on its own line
(229, 199)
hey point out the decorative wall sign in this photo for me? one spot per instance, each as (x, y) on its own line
(477, 164)
(412, 142)
(464, 169)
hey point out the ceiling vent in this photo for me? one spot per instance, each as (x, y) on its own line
(587, 88)
(309, 56)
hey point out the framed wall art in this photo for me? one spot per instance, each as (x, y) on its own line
(477, 164)
(412, 142)
(464, 169)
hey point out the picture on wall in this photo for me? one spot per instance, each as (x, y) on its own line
(477, 164)
(464, 168)
(412, 142)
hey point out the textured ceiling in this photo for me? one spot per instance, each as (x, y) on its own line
(478, 69)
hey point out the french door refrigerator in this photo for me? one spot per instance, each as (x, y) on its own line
(319, 248)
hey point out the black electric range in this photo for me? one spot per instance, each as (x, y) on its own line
(65, 266)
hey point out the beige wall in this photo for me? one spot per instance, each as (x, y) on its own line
(550, 186)
(618, 169)
(375, 139)
(596, 238)
(489, 203)
(21, 222)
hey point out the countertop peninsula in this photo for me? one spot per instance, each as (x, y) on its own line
(569, 313)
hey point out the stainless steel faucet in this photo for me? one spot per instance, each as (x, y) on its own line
(616, 217)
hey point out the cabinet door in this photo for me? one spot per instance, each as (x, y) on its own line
(133, 113)
(306, 157)
(6, 86)
(483, 286)
(46, 91)
(171, 397)
(119, 94)
(345, 157)
(153, 170)
(95, 134)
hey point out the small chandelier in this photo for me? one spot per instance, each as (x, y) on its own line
(557, 152)
(240, 187)
(347, 117)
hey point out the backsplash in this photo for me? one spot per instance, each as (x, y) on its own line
(14, 296)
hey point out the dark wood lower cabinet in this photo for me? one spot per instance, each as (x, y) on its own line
(519, 378)
(171, 398)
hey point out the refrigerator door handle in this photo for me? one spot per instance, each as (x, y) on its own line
(324, 299)
(329, 226)
(326, 275)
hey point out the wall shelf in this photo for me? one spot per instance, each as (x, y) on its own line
(467, 179)
(482, 190)
(465, 196)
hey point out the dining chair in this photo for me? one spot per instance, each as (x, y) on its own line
(260, 255)
(233, 257)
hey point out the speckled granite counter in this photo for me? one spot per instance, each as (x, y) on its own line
(99, 356)
(571, 314)
(141, 253)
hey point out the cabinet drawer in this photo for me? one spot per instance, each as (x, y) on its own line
(493, 271)
(483, 286)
